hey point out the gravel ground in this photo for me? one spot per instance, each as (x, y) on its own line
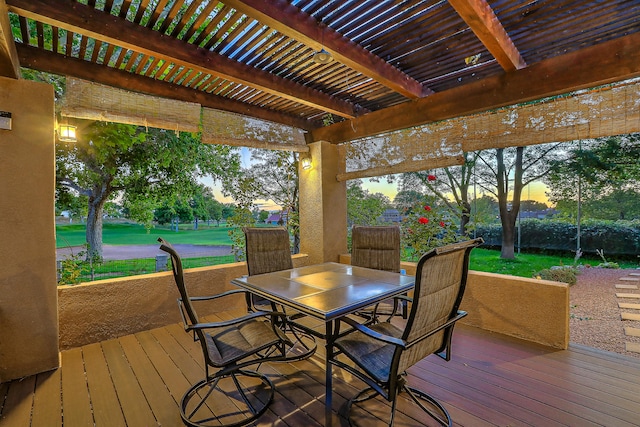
(595, 318)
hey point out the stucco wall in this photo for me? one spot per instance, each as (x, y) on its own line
(323, 205)
(107, 309)
(531, 309)
(535, 310)
(28, 315)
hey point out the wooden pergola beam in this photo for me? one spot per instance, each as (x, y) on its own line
(289, 20)
(32, 57)
(486, 26)
(9, 64)
(117, 31)
(608, 62)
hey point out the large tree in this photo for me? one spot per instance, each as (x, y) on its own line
(141, 167)
(271, 175)
(364, 207)
(504, 173)
(602, 169)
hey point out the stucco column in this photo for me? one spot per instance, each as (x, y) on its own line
(323, 205)
(28, 292)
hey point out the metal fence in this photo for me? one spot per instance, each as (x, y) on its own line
(73, 271)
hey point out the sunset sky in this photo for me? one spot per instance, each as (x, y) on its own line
(534, 191)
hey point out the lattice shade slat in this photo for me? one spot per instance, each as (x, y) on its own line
(92, 101)
(219, 127)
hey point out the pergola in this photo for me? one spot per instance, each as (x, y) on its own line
(394, 68)
(396, 64)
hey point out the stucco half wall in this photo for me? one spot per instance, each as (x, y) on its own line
(530, 309)
(106, 309)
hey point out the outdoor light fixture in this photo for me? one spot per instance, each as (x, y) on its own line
(306, 163)
(67, 133)
(322, 57)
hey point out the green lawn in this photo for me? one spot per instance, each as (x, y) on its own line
(134, 234)
(525, 265)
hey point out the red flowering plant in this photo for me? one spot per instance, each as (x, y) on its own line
(427, 227)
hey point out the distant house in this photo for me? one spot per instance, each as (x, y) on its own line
(273, 219)
(546, 213)
(390, 215)
(277, 218)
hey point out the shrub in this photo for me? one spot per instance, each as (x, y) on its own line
(425, 229)
(615, 237)
(558, 274)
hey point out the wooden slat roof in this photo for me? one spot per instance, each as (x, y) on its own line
(390, 57)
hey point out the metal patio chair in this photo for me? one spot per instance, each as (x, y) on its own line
(232, 395)
(378, 247)
(381, 353)
(268, 250)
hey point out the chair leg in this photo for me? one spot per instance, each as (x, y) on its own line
(443, 418)
(301, 345)
(231, 400)
(362, 396)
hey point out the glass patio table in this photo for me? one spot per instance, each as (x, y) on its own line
(327, 291)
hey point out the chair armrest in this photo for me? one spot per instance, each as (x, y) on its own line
(223, 294)
(371, 333)
(396, 300)
(249, 316)
(404, 297)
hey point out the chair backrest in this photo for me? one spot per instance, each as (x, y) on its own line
(268, 249)
(376, 247)
(441, 277)
(178, 275)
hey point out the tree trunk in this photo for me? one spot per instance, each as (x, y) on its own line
(464, 218)
(508, 239)
(94, 228)
(508, 215)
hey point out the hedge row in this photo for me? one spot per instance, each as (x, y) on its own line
(614, 237)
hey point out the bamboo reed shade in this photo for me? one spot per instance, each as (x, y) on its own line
(92, 101)
(408, 150)
(607, 111)
(220, 127)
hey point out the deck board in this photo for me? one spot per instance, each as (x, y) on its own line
(76, 405)
(132, 399)
(47, 404)
(16, 410)
(491, 380)
(163, 398)
(103, 395)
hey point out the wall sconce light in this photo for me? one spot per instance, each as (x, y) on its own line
(67, 133)
(5, 120)
(306, 163)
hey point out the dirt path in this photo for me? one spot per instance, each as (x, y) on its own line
(596, 318)
(114, 252)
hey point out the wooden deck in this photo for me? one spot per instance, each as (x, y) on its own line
(138, 379)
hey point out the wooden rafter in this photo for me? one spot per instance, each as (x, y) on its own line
(486, 26)
(50, 62)
(289, 20)
(105, 27)
(9, 64)
(604, 63)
